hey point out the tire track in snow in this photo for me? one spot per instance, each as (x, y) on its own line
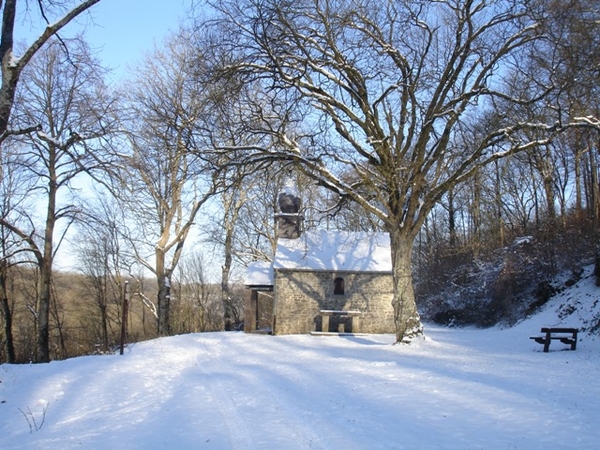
(239, 435)
(298, 429)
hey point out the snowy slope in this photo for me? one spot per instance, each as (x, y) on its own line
(455, 389)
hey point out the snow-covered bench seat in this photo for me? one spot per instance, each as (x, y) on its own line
(567, 336)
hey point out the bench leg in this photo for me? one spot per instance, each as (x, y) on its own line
(355, 324)
(325, 324)
(547, 343)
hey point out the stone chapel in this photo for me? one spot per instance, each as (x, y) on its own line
(320, 281)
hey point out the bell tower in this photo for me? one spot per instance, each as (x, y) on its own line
(289, 220)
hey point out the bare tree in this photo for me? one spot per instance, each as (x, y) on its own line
(232, 200)
(64, 94)
(199, 307)
(12, 64)
(167, 181)
(5, 304)
(381, 89)
(14, 186)
(103, 261)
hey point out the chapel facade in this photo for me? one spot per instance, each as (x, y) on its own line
(320, 281)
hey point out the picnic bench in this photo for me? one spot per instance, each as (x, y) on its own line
(567, 336)
(354, 319)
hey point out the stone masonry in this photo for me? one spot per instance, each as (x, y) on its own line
(301, 295)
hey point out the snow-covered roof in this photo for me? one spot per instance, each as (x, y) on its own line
(324, 250)
(289, 188)
(335, 250)
(259, 273)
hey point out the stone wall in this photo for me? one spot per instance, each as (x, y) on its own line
(302, 294)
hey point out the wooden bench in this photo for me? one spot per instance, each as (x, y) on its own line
(354, 319)
(567, 336)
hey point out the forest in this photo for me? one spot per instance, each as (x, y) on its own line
(466, 129)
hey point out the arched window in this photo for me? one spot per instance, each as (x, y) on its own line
(338, 286)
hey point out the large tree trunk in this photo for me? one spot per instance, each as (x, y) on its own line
(451, 219)
(163, 296)
(43, 311)
(7, 313)
(578, 183)
(10, 76)
(225, 270)
(594, 189)
(498, 201)
(476, 214)
(104, 325)
(164, 303)
(10, 346)
(45, 266)
(406, 317)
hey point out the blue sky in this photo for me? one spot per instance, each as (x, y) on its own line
(123, 30)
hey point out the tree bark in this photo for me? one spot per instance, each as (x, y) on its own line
(406, 316)
(227, 314)
(498, 204)
(225, 270)
(45, 267)
(578, 183)
(104, 325)
(451, 218)
(594, 189)
(163, 295)
(7, 313)
(10, 75)
(476, 214)
(43, 312)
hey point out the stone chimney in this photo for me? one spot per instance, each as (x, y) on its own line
(289, 220)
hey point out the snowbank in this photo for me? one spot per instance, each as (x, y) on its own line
(455, 389)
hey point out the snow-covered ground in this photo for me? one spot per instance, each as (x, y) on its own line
(455, 389)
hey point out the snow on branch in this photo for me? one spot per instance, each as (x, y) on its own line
(20, 131)
(148, 303)
(587, 121)
(18, 63)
